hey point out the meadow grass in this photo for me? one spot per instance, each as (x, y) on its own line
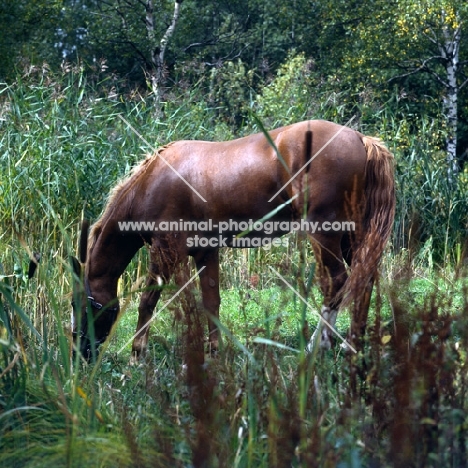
(269, 403)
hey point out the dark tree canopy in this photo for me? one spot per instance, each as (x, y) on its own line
(374, 48)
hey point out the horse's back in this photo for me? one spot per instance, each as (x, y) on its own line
(244, 174)
(335, 148)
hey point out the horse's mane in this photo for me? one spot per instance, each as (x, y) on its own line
(123, 188)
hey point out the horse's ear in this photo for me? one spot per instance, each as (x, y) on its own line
(76, 265)
(84, 240)
(33, 263)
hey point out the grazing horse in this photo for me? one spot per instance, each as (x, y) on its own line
(314, 171)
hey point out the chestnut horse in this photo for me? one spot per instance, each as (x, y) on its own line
(315, 171)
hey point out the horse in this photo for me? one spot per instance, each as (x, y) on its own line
(315, 171)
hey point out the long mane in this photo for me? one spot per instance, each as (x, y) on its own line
(123, 192)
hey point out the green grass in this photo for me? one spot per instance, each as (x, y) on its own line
(116, 414)
(275, 313)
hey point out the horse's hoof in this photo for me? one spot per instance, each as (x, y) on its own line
(326, 343)
(134, 359)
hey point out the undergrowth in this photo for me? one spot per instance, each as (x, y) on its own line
(263, 401)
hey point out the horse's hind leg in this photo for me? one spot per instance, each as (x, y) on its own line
(209, 282)
(361, 303)
(360, 313)
(332, 277)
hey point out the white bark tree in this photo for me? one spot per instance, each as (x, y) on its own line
(140, 29)
(440, 27)
(158, 46)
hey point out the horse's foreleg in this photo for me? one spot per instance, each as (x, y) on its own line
(209, 281)
(148, 301)
(332, 277)
(165, 255)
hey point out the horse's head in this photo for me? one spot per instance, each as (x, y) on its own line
(79, 316)
(91, 321)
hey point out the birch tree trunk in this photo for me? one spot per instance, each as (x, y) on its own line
(449, 50)
(440, 30)
(158, 49)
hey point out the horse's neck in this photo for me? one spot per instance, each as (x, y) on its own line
(109, 257)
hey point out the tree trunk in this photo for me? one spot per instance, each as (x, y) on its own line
(449, 49)
(158, 50)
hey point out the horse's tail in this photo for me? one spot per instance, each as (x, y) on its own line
(378, 214)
